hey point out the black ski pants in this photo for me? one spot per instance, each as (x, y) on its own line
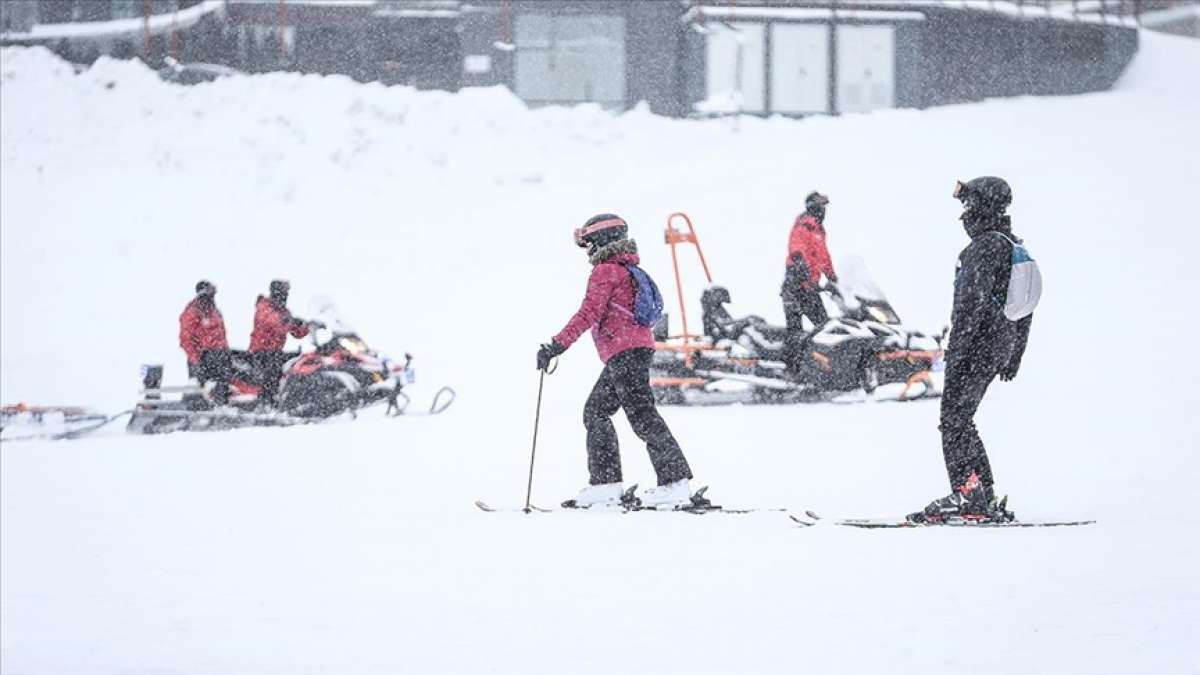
(797, 303)
(966, 383)
(216, 365)
(802, 303)
(268, 371)
(625, 383)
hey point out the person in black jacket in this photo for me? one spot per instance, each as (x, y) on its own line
(983, 343)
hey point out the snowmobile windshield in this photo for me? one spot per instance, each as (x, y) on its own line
(323, 309)
(882, 314)
(353, 344)
(335, 326)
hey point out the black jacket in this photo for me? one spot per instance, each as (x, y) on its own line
(980, 332)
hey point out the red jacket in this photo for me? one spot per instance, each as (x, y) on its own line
(808, 239)
(272, 325)
(201, 330)
(607, 310)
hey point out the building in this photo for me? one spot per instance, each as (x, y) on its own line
(701, 57)
(83, 30)
(1171, 16)
(681, 57)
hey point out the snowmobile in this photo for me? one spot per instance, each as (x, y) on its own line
(862, 352)
(343, 375)
(336, 375)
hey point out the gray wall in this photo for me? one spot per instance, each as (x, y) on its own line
(17, 16)
(953, 56)
(968, 56)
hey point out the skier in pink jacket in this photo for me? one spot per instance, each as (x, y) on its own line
(626, 348)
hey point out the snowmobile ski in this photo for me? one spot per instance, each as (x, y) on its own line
(398, 406)
(807, 520)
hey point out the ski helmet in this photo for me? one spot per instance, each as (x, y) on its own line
(205, 289)
(815, 203)
(985, 196)
(600, 230)
(279, 291)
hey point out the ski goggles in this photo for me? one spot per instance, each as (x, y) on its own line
(582, 233)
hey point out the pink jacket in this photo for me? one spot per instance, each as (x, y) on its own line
(607, 310)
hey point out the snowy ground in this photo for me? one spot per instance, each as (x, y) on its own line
(440, 224)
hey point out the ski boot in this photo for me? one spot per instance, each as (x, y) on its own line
(669, 497)
(604, 496)
(970, 502)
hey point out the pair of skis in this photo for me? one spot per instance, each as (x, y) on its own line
(875, 524)
(700, 505)
(629, 503)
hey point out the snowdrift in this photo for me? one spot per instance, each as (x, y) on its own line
(440, 223)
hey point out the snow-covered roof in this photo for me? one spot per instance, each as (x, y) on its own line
(1171, 15)
(155, 23)
(799, 13)
(1083, 11)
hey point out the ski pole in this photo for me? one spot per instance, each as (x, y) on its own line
(537, 417)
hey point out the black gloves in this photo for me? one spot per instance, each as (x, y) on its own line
(547, 352)
(1007, 373)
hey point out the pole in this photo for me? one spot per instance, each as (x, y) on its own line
(175, 33)
(282, 17)
(537, 418)
(146, 30)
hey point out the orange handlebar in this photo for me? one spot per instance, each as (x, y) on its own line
(674, 237)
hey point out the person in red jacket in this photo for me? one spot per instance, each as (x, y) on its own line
(626, 348)
(272, 324)
(807, 260)
(202, 336)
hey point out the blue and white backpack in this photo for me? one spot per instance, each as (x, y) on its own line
(1024, 282)
(647, 301)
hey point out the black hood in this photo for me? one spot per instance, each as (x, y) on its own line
(977, 223)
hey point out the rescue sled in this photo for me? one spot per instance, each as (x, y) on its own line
(22, 422)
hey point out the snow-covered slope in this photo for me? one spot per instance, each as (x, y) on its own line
(440, 223)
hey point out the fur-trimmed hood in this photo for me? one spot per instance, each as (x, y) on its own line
(612, 250)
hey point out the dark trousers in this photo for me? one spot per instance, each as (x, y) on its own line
(625, 383)
(802, 303)
(216, 365)
(966, 383)
(268, 371)
(798, 303)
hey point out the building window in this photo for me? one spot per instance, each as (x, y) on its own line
(265, 47)
(866, 68)
(127, 9)
(799, 68)
(734, 68)
(570, 59)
